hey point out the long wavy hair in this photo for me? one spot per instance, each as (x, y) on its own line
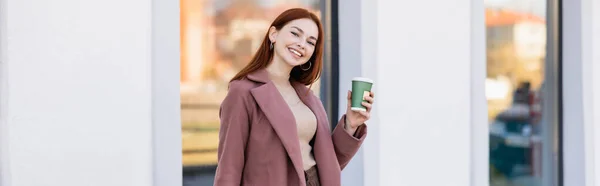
(262, 58)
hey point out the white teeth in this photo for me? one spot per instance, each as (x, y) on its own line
(295, 52)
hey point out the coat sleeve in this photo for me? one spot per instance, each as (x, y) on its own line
(347, 145)
(233, 136)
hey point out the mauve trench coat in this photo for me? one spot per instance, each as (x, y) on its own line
(258, 139)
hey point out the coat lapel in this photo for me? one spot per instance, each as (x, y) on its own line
(329, 170)
(283, 122)
(280, 116)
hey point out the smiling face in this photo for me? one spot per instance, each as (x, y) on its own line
(295, 43)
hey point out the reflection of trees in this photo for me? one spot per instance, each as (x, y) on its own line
(502, 60)
(227, 35)
(315, 4)
(237, 9)
(240, 27)
(231, 52)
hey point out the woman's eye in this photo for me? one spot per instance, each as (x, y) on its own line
(311, 43)
(295, 34)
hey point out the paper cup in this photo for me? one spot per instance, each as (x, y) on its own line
(361, 88)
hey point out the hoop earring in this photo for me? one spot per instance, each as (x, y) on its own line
(306, 69)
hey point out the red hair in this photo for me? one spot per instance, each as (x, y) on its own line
(264, 55)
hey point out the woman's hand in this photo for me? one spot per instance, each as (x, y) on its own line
(356, 118)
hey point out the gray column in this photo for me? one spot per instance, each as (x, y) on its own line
(4, 166)
(581, 85)
(350, 50)
(166, 106)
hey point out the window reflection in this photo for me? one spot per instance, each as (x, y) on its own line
(516, 50)
(218, 38)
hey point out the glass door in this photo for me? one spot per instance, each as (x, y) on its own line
(521, 91)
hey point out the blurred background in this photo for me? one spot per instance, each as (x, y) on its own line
(218, 38)
(127, 92)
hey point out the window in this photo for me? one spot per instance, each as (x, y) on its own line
(522, 132)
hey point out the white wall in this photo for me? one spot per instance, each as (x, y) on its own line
(166, 112)
(429, 123)
(351, 50)
(581, 85)
(3, 101)
(595, 61)
(79, 82)
(424, 69)
(595, 40)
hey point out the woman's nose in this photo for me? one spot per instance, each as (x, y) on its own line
(301, 44)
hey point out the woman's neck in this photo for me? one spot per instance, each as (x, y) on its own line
(279, 72)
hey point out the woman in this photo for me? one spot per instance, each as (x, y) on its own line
(274, 130)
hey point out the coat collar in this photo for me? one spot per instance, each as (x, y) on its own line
(262, 76)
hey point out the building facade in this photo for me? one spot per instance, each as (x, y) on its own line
(126, 92)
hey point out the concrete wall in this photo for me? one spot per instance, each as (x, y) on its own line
(351, 50)
(84, 86)
(89, 92)
(429, 119)
(581, 87)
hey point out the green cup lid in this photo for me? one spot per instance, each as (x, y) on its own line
(363, 79)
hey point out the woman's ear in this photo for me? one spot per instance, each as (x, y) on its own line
(273, 34)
